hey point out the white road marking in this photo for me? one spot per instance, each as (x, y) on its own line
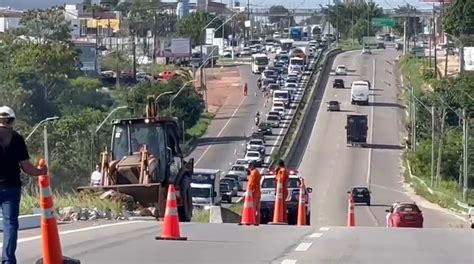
(27, 239)
(388, 189)
(289, 261)
(316, 235)
(370, 136)
(324, 228)
(221, 131)
(303, 246)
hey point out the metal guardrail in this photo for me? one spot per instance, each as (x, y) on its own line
(287, 145)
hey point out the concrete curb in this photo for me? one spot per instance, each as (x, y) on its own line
(26, 221)
(215, 215)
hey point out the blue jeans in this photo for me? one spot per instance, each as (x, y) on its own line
(10, 202)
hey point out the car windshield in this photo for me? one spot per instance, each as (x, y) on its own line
(224, 187)
(291, 85)
(255, 142)
(268, 73)
(237, 168)
(333, 102)
(407, 208)
(274, 86)
(273, 118)
(360, 190)
(235, 177)
(140, 134)
(280, 95)
(261, 60)
(241, 161)
(270, 183)
(200, 192)
(253, 154)
(341, 67)
(291, 80)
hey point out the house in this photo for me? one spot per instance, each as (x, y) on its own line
(9, 19)
(88, 56)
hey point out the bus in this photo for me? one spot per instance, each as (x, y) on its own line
(259, 63)
(296, 33)
(285, 45)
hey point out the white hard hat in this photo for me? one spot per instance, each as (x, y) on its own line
(6, 112)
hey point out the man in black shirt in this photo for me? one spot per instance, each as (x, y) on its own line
(13, 156)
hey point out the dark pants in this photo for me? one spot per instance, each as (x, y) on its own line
(10, 202)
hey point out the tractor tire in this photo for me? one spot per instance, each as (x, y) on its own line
(185, 211)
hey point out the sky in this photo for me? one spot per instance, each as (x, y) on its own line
(28, 4)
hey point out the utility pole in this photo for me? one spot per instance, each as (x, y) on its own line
(432, 145)
(413, 119)
(329, 17)
(405, 42)
(440, 147)
(465, 128)
(430, 41)
(434, 43)
(368, 18)
(248, 18)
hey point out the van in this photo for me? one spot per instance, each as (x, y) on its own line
(282, 96)
(360, 92)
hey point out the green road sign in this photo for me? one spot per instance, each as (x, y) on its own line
(383, 22)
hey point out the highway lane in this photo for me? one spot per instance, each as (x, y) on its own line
(134, 242)
(332, 168)
(369, 245)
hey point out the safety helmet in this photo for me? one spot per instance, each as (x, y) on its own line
(6, 112)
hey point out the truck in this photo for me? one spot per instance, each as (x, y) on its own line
(210, 54)
(205, 187)
(356, 130)
(296, 33)
(144, 159)
(298, 58)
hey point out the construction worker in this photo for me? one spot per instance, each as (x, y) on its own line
(13, 156)
(96, 176)
(282, 175)
(253, 186)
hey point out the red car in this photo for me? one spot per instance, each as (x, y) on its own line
(405, 215)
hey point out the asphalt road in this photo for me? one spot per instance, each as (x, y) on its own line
(225, 139)
(134, 242)
(382, 245)
(331, 168)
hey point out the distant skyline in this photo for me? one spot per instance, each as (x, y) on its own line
(30, 4)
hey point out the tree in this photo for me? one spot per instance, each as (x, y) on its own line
(45, 26)
(283, 15)
(192, 26)
(414, 25)
(360, 29)
(459, 18)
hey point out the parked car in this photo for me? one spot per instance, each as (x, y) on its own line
(341, 70)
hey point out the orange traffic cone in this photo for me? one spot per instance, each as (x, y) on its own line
(170, 228)
(50, 242)
(350, 212)
(248, 212)
(301, 221)
(278, 217)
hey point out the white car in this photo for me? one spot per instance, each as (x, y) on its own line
(267, 186)
(279, 109)
(470, 214)
(274, 120)
(256, 144)
(341, 70)
(254, 156)
(291, 85)
(239, 170)
(242, 162)
(274, 113)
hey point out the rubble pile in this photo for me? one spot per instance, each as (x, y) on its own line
(129, 209)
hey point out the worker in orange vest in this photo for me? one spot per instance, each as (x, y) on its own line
(253, 186)
(245, 89)
(282, 175)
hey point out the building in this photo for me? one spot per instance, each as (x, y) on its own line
(88, 56)
(211, 7)
(9, 19)
(353, 1)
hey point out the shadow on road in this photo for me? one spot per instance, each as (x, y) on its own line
(381, 104)
(383, 146)
(227, 117)
(219, 140)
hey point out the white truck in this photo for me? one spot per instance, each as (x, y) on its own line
(205, 187)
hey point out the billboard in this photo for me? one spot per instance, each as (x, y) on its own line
(210, 32)
(174, 47)
(469, 58)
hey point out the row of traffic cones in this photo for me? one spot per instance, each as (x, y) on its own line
(248, 211)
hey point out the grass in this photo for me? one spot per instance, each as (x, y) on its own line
(237, 208)
(200, 128)
(411, 67)
(200, 216)
(29, 201)
(346, 45)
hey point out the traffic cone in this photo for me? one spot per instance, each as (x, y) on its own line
(170, 227)
(278, 217)
(248, 212)
(50, 242)
(350, 212)
(301, 220)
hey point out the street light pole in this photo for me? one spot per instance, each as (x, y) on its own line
(45, 135)
(465, 127)
(179, 91)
